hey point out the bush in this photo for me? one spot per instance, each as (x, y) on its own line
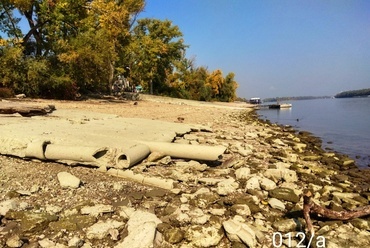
(59, 88)
(6, 93)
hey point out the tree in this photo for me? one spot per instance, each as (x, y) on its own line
(59, 30)
(155, 48)
(76, 46)
(227, 91)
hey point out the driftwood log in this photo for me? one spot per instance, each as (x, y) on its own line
(310, 206)
(25, 110)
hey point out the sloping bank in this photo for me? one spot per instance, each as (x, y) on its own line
(252, 196)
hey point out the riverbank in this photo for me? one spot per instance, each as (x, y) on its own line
(246, 198)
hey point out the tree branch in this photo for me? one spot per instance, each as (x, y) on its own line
(311, 207)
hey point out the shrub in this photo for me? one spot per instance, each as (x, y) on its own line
(6, 93)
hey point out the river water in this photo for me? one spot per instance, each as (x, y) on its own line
(343, 124)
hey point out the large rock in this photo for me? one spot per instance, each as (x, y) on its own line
(253, 183)
(14, 241)
(67, 180)
(97, 209)
(72, 222)
(285, 226)
(31, 221)
(267, 184)
(173, 235)
(7, 205)
(241, 209)
(102, 229)
(285, 194)
(204, 236)
(141, 229)
(227, 186)
(242, 173)
(281, 174)
(276, 204)
(240, 232)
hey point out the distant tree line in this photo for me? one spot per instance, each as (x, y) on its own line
(290, 98)
(353, 93)
(75, 47)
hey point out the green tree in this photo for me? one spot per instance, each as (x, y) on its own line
(227, 91)
(58, 31)
(155, 48)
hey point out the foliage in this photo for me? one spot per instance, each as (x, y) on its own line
(74, 47)
(155, 48)
(354, 93)
(6, 92)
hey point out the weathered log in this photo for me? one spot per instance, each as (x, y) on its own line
(26, 111)
(309, 206)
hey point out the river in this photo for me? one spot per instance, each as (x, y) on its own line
(343, 124)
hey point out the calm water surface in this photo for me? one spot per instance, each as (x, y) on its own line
(342, 124)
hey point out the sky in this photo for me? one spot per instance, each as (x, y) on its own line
(276, 48)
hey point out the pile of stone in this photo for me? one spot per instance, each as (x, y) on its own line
(252, 197)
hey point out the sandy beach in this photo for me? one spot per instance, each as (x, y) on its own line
(251, 196)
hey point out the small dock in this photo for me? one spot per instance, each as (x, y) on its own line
(274, 106)
(279, 106)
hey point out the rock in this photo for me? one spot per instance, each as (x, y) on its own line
(311, 158)
(141, 229)
(282, 165)
(281, 174)
(198, 217)
(72, 222)
(285, 194)
(276, 204)
(227, 186)
(361, 224)
(285, 226)
(267, 184)
(173, 235)
(126, 212)
(253, 183)
(102, 229)
(241, 209)
(19, 96)
(278, 142)
(242, 173)
(51, 209)
(75, 242)
(46, 243)
(14, 241)
(24, 192)
(97, 209)
(204, 236)
(67, 180)
(7, 205)
(244, 151)
(299, 147)
(209, 181)
(240, 232)
(118, 186)
(204, 200)
(233, 162)
(348, 162)
(31, 221)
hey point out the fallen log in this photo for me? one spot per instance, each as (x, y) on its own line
(24, 110)
(309, 206)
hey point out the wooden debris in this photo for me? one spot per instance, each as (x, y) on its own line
(24, 110)
(311, 207)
